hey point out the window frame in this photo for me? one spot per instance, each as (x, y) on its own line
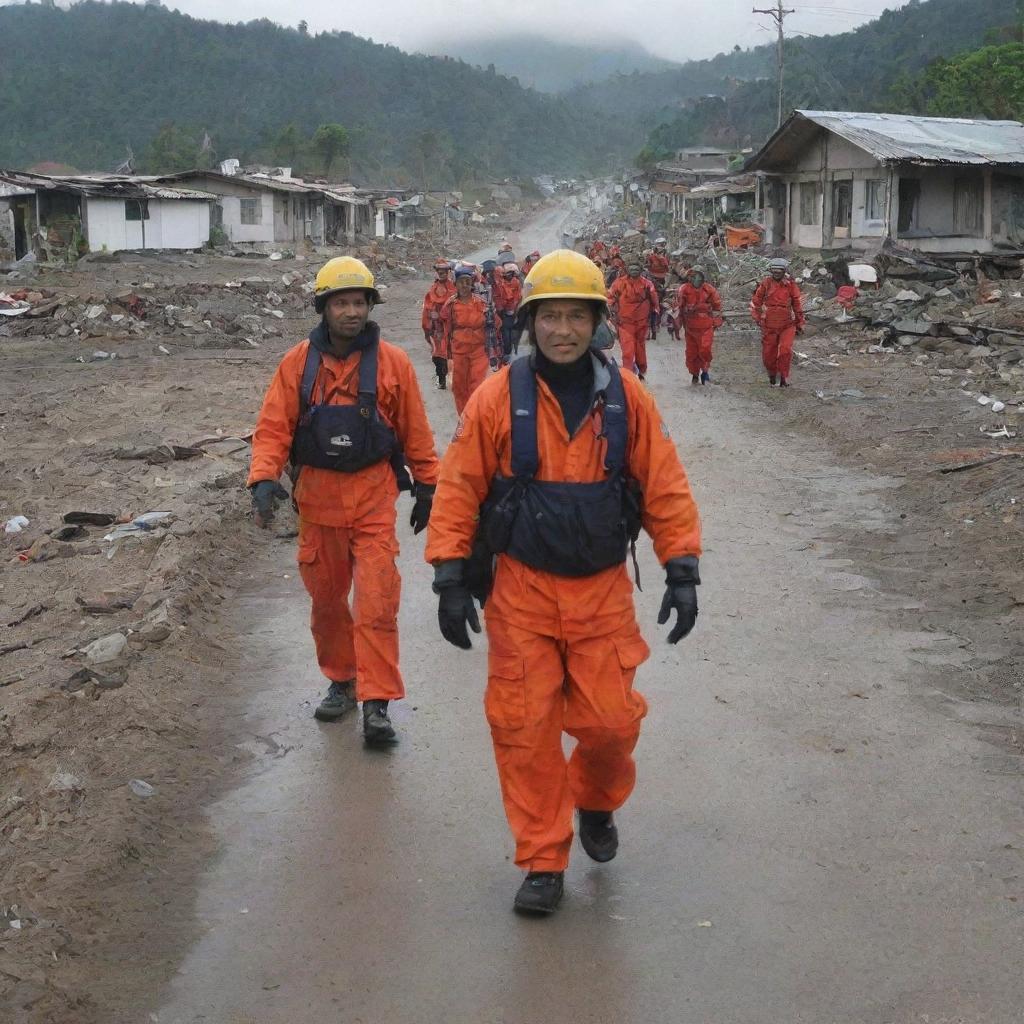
(254, 204)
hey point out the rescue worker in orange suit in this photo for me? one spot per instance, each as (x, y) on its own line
(464, 316)
(530, 260)
(658, 266)
(437, 295)
(777, 308)
(555, 490)
(633, 301)
(345, 410)
(508, 290)
(700, 309)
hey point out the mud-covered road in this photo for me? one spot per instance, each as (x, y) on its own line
(821, 832)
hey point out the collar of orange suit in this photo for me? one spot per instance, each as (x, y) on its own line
(320, 339)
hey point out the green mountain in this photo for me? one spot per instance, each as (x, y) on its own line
(80, 85)
(858, 70)
(548, 65)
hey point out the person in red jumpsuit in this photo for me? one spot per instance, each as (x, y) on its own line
(699, 309)
(464, 317)
(658, 266)
(777, 308)
(530, 261)
(633, 300)
(437, 295)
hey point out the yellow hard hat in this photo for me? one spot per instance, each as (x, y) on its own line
(564, 274)
(341, 274)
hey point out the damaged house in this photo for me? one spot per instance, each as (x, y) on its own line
(859, 180)
(61, 216)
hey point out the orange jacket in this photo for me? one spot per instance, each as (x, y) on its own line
(465, 324)
(777, 304)
(658, 264)
(437, 295)
(482, 448)
(326, 496)
(698, 307)
(634, 300)
(507, 293)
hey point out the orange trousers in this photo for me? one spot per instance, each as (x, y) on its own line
(549, 673)
(360, 643)
(469, 370)
(777, 349)
(633, 342)
(698, 348)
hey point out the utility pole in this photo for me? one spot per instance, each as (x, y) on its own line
(779, 13)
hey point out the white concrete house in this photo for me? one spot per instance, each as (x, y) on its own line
(62, 215)
(857, 180)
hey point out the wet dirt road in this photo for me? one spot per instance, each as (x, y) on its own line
(810, 841)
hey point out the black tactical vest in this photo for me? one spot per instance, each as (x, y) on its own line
(346, 438)
(569, 529)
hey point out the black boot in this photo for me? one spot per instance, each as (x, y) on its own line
(539, 893)
(377, 727)
(598, 835)
(771, 381)
(783, 383)
(694, 378)
(340, 700)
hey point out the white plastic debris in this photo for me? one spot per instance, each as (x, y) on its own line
(15, 524)
(65, 782)
(998, 406)
(147, 521)
(862, 273)
(163, 348)
(140, 788)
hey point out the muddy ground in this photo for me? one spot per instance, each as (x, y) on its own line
(96, 874)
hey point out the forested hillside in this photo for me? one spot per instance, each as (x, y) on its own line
(79, 86)
(858, 70)
(551, 65)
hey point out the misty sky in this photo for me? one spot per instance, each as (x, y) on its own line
(705, 27)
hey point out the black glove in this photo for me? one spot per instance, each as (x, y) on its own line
(265, 496)
(682, 577)
(455, 607)
(423, 495)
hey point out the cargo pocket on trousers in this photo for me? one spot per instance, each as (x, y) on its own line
(632, 651)
(505, 699)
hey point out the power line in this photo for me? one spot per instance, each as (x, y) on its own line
(778, 14)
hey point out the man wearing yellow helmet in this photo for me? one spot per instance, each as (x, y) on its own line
(558, 461)
(345, 411)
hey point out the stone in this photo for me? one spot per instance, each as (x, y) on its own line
(106, 649)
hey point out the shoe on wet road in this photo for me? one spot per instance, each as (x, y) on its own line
(540, 893)
(340, 700)
(377, 727)
(598, 835)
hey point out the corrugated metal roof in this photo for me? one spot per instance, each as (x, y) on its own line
(102, 186)
(735, 186)
(938, 139)
(895, 138)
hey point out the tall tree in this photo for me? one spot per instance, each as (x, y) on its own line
(330, 141)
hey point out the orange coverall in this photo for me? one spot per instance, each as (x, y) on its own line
(633, 301)
(658, 265)
(437, 295)
(347, 520)
(466, 332)
(699, 310)
(562, 651)
(777, 307)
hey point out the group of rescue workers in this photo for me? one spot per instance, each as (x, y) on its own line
(559, 459)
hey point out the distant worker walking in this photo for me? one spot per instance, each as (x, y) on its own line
(508, 290)
(777, 308)
(633, 302)
(559, 460)
(699, 308)
(437, 295)
(464, 316)
(345, 410)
